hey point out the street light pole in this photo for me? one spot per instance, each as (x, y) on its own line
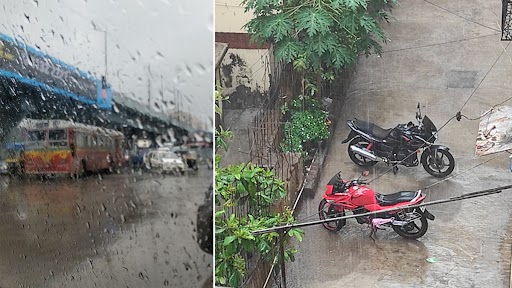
(106, 54)
(106, 63)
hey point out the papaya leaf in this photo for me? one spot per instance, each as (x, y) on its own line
(313, 21)
(287, 50)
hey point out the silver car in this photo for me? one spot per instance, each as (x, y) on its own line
(167, 161)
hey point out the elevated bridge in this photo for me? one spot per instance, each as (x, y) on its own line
(36, 85)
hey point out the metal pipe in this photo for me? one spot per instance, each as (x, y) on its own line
(283, 268)
(363, 152)
(451, 199)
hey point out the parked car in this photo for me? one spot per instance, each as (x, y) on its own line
(165, 160)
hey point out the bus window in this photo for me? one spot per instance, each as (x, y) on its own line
(35, 138)
(57, 138)
(81, 141)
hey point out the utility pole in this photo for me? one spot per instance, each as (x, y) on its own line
(106, 57)
(149, 92)
(178, 96)
(106, 51)
(162, 95)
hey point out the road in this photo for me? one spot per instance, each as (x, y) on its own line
(120, 230)
(441, 53)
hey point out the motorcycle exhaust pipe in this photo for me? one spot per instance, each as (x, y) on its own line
(364, 153)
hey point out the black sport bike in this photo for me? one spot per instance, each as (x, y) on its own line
(401, 145)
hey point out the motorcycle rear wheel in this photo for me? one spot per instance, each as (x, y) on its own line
(412, 231)
(436, 166)
(359, 160)
(329, 212)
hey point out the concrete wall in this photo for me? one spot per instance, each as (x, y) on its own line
(245, 69)
(244, 77)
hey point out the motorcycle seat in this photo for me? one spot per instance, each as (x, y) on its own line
(395, 198)
(372, 129)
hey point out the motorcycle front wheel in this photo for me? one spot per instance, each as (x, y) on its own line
(360, 160)
(413, 230)
(328, 211)
(439, 165)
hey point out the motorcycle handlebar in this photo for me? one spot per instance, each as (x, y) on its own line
(356, 182)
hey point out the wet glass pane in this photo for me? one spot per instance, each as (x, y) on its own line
(106, 143)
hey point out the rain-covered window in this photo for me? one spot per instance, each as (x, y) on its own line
(87, 90)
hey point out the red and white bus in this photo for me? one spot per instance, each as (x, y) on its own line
(65, 147)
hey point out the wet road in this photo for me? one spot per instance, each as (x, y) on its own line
(426, 62)
(120, 230)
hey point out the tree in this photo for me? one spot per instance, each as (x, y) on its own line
(319, 36)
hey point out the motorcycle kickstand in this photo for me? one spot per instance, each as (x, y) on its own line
(395, 170)
(373, 233)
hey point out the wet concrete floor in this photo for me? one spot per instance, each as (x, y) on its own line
(440, 64)
(120, 230)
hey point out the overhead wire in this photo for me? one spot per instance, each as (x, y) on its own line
(460, 16)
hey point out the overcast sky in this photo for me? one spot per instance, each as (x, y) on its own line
(170, 39)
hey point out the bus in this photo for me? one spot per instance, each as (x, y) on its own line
(64, 147)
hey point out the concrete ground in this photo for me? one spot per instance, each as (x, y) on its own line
(239, 121)
(439, 53)
(123, 230)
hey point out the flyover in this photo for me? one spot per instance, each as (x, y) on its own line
(36, 85)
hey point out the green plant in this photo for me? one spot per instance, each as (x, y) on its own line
(306, 124)
(221, 135)
(259, 190)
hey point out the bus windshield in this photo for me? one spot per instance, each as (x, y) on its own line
(57, 138)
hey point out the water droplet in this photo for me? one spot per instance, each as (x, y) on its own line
(139, 123)
(36, 3)
(123, 219)
(211, 28)
(200, 68)
(188, 71)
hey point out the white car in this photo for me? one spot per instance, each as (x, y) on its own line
(167, 161)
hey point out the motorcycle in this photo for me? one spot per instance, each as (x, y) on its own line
(401, 145)
(343, 196)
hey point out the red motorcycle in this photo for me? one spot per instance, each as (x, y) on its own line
(343, 196)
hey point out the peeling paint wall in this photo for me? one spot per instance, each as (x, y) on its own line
(245, 77)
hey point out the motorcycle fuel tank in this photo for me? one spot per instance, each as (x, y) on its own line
(362, 195)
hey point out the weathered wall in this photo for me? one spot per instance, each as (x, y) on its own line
(244, 77)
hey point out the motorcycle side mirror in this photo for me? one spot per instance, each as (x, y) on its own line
(418, 111)
(365, 173)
